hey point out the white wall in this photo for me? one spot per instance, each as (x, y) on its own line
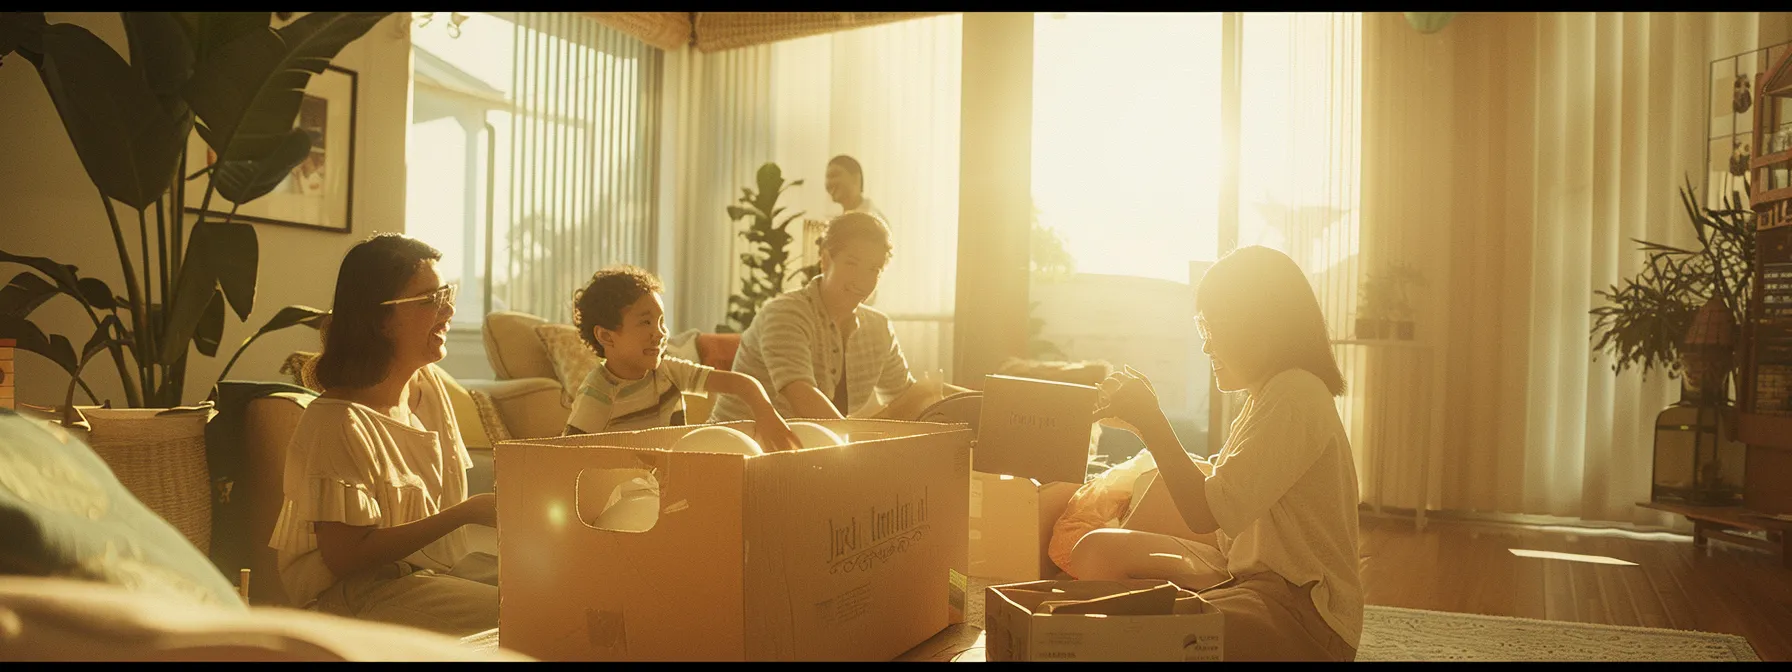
(49, 207)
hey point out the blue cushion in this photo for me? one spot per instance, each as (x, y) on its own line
(63, 513)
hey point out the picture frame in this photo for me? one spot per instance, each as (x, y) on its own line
(319, 194)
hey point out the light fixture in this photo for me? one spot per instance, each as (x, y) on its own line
(423, 20)
(1429, 22)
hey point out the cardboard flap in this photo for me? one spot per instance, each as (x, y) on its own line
(1154, 601)
(1037, 429)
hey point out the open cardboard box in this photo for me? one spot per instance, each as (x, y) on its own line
(1139, 621)
(840, 553)
(1032, 454)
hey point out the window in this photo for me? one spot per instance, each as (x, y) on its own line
(531, 156)
(1129, 170)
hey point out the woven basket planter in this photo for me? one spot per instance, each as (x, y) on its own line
(159, 455)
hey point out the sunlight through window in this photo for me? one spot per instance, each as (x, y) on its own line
(1571, 557)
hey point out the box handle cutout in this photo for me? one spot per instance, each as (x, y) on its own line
(617, 500)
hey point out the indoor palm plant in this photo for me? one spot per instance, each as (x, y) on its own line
(767, 266)
(237, 81)
(1679, 314)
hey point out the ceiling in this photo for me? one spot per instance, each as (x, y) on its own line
(718, 31)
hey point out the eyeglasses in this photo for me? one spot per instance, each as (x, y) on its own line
(1202, 328)
(441, 297)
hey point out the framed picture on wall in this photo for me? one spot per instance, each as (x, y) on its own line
(319, 193)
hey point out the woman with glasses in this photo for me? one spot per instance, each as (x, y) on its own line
(1281, 494)
(375, 482)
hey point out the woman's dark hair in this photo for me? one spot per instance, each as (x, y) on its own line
(855, 227)
(356, 350)
(850, 165)
(601, 302)
(1259, 296)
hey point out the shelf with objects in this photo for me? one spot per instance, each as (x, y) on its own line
(1765, 376)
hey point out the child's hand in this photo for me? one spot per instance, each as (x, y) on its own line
(774, 435)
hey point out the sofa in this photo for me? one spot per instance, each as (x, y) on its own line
(529, 391)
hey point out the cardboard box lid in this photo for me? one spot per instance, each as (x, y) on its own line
(1036, 429)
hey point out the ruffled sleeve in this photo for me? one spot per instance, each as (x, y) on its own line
(329, 478)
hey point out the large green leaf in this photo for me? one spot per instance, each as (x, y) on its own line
(55, 348)
(24, 294)
(162, 55)
(211, 326)
(210, 31)
(127, 143)
(64, 275)
(247, 93)
(242, 180)
(95, 292)
(218, 255)
(22, 32)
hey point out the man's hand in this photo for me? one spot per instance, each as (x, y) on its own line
(774, 435)
(1127, 401)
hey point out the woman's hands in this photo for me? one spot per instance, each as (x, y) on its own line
(1127, 401)
(480, 509)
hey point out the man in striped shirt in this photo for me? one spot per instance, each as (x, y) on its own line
(622, 316)
(822, 352)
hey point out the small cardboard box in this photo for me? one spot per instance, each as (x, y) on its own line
(1011, 525)
(1035, 428)
(839, 553)
(1015, 630)
(1032, 453)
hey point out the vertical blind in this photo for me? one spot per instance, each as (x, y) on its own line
(583, 160)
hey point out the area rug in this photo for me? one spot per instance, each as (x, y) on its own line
(1396, 634)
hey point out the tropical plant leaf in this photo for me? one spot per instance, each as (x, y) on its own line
(55, 348)
(24, 294)
(162, 54)
(210, 31)
(242, 180)
(95, 292)
(211, 326)
(218, 255)
(102, 338)
(23, 32)
(64, 275)
(125, 139)
(247, 93)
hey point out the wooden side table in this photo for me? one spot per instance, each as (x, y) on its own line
(1723, 523)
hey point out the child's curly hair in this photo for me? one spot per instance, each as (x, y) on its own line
(605, 296)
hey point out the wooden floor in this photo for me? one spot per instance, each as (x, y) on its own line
(1467, 567)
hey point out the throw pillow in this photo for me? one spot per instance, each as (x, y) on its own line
(573, 360)
(63, 514)
(488, 414)
(302, 366)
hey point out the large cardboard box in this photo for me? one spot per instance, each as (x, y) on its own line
(1032, 453)
(1011, 525)
(841, 553)
(1183, 628)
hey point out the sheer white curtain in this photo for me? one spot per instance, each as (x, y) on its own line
(1300, 152)
(718, 131)
(1523, 152)
(888, 96)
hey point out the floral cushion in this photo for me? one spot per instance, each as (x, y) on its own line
(63, 514)
(573, 360)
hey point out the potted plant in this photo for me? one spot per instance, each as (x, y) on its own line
(1374, 307)
(1402, 277)
(238, 81)
(1679, 314)
(768, 265)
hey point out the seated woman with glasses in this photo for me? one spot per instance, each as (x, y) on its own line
(375, 482)
(1282, 493)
